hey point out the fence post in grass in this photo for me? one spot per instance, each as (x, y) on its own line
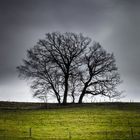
(30, 132)
(106, 134)
(132, 132)
(41, 121)
(111, 121)
(4, 134)
(69, 135)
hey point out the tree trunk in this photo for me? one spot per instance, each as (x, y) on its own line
(82, 95)
(84, 90)
(73, 97)
(58, 99)
(56, 94)
(66, 91)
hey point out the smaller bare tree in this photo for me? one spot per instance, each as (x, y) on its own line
(100, 74)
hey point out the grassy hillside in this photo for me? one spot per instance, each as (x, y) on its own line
(100, 121)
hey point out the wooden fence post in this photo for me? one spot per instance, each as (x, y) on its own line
(111, 121)
(106, 134)
(69, 135)
(128, 123)
(132, 132)
(30, 132)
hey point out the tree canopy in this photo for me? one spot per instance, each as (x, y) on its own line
(70, 65)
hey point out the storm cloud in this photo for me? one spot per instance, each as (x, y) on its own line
(113, 23)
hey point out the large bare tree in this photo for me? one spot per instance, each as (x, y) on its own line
(52, 62)
(68, 65)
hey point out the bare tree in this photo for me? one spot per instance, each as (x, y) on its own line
(99, 73)
(67, 65)
(51, 63)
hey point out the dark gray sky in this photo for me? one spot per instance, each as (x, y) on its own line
(113, 23)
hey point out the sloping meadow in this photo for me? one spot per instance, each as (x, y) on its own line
(90, 121)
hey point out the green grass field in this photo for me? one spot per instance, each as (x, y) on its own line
(102, 121)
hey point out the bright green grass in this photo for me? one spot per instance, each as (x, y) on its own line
(94, 122)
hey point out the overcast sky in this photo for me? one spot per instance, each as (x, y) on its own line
(115, 24)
